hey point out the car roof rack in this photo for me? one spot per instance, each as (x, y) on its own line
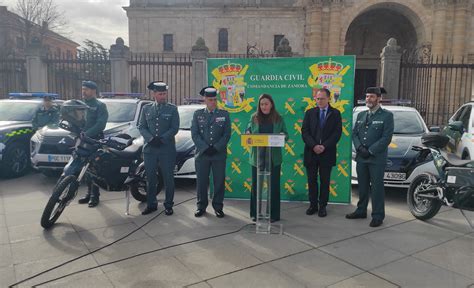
(396, 102)
(121, 94)
(32, 95)
(189, 101)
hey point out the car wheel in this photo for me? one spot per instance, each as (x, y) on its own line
(465, 156)
(16, 160)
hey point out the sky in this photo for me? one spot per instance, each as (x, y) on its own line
(101, 21)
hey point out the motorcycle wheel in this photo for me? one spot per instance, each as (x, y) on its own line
(138, 189)
(422, 208)
(63, 192)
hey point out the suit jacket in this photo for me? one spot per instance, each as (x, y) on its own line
(375, 135)
(159, 122)
(328, 136)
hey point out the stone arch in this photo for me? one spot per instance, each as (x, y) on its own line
(416, 13)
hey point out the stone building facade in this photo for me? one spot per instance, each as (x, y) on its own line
(313, 27)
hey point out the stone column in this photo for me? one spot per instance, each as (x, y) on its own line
(120, 73)
(438, 47)
(314, 16)
(335, 27)
(36, 67)
(199, 55)
(390, 65)
(459, 30)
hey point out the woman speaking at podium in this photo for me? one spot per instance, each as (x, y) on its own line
(266, 120)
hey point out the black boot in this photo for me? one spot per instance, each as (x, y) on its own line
(85, 199)
(94, 199)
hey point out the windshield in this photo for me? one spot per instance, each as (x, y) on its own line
(406, 122)
(121, 112)
(16, 111)
(186, 116)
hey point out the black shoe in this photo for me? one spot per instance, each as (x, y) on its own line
(199, 212)
(375, 222)
(149, 210)
(168, 211)
(312, 209)
(93, 202)
(220, 214)
(85, 199)
(355, 215)
(254, 219)
(322, 211)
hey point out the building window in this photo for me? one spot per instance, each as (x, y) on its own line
(168, 42)
(276, 41)
(58, 51)
(68, 54)
(20, 43)
(223, 45)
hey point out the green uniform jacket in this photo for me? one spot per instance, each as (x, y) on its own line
(96, 119)
(375, 134)
(279, 127)
(159, 120)
(207, 130)
(44, 117)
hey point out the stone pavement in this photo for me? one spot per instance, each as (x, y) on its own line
(312, 252)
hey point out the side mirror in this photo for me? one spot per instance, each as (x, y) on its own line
(456, 126)
(434, 129)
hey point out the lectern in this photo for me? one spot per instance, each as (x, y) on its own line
(264, 144)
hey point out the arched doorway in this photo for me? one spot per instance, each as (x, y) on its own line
(369, 32)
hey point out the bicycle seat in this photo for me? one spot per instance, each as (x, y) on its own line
(454, 160)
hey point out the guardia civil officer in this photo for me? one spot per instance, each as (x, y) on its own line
(371, 135)
(96, 119)
(159, 123)
(47, 114)
(210, 131)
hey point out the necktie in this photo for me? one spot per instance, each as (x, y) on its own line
(209, 120)
(322, 117)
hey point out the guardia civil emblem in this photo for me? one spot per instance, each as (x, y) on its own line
(328, 74)
(229, 80)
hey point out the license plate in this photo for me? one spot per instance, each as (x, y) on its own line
(395, 176)
(59, 158)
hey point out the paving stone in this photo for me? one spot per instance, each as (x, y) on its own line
(456, 255)
(411, 272)
(365, 280)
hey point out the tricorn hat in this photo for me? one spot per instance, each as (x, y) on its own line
(208, 91)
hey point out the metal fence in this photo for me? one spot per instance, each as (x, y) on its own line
(174, 69)
(437, 87)
(12, 75)
(66, 73)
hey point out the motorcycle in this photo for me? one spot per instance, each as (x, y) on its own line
(113, 164)
(453, 186)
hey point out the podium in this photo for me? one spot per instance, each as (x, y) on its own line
(264, 144)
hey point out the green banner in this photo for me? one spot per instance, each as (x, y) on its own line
(292, 82)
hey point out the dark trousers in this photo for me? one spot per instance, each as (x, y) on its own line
(166, 163)
(74, 168)
(275, 193)
(370, 179)
(318, 193)
(204, 166)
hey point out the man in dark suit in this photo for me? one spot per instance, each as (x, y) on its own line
(322, 127)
